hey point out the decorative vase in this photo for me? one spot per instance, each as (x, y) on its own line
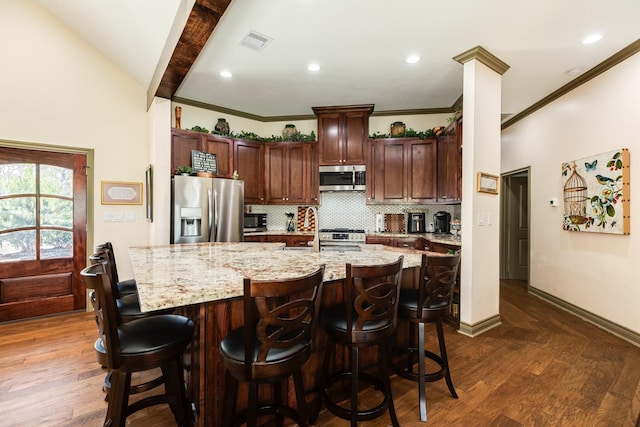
(289, 131)
(222, 127)
(397, 128)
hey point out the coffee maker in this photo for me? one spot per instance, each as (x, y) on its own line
(416, 222)
(442, 222)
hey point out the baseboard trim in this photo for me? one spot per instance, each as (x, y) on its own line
(613, 328)
(480, 327)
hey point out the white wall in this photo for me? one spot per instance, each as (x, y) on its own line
(596, 272)
(58, 90)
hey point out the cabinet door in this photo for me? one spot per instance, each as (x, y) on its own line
(386, 178)
(378, 240)
(356, 133)
(313, 192)
(421, 171)
(450, 165)
(405, 242)
(182, 142)
(275, 174)
(330, 137)
(297, 173)
(248, 160)
(223, 149)
(299, 241)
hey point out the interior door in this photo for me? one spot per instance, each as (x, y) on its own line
(42, 232)
(516, 227)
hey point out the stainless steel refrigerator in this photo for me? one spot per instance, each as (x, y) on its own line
(206, 210)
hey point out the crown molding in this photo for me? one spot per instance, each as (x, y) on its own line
(613, 60)
(487, 58)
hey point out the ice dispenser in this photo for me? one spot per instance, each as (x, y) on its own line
(190, 222)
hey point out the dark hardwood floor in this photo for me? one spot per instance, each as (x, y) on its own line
(541, 367)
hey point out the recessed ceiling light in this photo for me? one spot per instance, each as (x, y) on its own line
(226, 74)
(412, 59)
(592, 38)
(313, 67)
(575, 71)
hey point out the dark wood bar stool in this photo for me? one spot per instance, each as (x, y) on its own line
(430, 303)
(140, 345)
(280, 320)
(367, 318)
(125, 287)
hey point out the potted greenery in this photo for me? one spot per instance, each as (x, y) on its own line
(184, 170)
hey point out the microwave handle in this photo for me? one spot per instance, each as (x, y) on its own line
(353, 178)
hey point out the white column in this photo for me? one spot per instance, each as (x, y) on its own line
(160, 156)
(480, 280)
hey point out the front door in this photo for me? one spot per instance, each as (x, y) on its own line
(42, 232)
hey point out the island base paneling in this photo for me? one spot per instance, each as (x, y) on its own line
(205, 371)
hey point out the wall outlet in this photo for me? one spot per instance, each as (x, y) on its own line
(480, 219)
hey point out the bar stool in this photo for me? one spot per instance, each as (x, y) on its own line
(280, 320)
(125, 287)
(429, 303)
(136, 346)
(367, 318)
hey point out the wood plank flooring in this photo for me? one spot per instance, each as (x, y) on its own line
(541, 367)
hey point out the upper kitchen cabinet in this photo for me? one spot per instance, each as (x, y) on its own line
(450, 164)
(402, 171)
(288, 173)
(183, 142)
(342, 133)
(248, 160)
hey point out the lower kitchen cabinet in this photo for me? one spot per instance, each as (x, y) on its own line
(398, 242)
(290, 240)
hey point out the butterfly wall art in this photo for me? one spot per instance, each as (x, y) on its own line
(596, 193)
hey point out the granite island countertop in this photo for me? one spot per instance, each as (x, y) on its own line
(178, 275)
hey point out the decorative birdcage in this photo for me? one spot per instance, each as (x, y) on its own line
(575, 197)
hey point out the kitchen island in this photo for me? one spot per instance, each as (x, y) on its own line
(204, 282)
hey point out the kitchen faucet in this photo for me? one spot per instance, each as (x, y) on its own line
(316, 239)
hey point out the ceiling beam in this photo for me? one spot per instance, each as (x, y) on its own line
(202, 20)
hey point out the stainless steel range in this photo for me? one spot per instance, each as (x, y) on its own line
(341, 239)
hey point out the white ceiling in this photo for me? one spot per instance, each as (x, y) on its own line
(361, 46)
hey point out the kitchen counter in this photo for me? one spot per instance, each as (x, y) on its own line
(205, 283)
(180, 275)
(446, 239)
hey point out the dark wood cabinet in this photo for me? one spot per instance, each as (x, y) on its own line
(291, 240)
(184, 141)
(288, 173)
(450, 164)
(398, 242)
(402, 171)
(248, 160)
(342, 134)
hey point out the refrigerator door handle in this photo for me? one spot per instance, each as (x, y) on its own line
(210, 214)
(213, 203)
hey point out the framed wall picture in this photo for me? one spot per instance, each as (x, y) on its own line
(149, 192)
(487, 183)
(121, 193)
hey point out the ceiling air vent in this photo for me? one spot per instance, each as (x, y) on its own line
(256, 41)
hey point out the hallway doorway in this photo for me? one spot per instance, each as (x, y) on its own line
(514, 227)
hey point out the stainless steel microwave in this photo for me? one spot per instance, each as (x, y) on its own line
(343, 178)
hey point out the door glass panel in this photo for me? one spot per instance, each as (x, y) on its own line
(18, 246)
(17, 178)
(56, 244)
(56, 212)
(56, 181)
(17, 212)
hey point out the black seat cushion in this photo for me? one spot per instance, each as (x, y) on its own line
(127, 287)
(154, 333)
(409, 300)
(232, 347)
(334, 318)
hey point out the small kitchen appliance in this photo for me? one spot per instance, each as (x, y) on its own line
(416, 222)
(442, 222)
(255, 222)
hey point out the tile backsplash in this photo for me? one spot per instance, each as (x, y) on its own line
(348, 210)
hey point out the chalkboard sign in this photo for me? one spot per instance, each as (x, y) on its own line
(204, 162)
